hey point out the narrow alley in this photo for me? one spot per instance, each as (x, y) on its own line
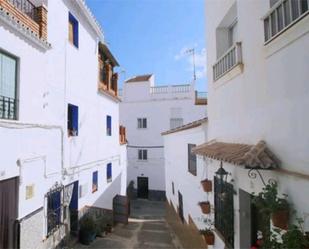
(147, 228)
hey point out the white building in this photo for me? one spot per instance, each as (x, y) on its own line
(146, 111)
(59, 121)
(257, 130)
(183, 174)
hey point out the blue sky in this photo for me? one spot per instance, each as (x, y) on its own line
(151, 36)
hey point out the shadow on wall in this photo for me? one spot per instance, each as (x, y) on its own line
(188, 234)
(105, 200)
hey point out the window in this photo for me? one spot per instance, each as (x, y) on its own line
(94, 181)
(53, 210)
(282, 15)
(142, 123)
(191, 160)
(176, 122)
(73, 30)
(109, 172)
(232, 33)
(72, 120)
(142, 155)
(108, 125)
(8, 85)
(173, 188)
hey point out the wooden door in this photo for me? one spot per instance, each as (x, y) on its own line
(142, 187)
(8, 212)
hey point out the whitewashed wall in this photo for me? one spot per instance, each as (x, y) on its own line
(138, 102)
(176, 170)
(48, 81)
(267, 100)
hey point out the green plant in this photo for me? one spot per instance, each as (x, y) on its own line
(268, 200)
(88, 230)
(295, 237)
(206, 231)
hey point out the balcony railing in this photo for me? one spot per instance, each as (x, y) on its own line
(228, 61)
(26, 7)
(282, 15)
(8, 108)
(170, 89)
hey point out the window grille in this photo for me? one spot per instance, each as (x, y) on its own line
(191, 160)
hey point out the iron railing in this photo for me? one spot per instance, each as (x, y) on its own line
(282, 15)
(8, 108)
(26, 7)
(224, 210)
(228, 61)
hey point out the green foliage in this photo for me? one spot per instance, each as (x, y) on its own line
(88, 225)
(268, 200)
(206, 231)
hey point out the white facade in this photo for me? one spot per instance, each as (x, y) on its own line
(263, 97)
(36, 146)
(162, 106)
(177, 172)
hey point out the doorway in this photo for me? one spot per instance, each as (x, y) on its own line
(8, 212)
(180, 207)
(142, 187)
(73, 207)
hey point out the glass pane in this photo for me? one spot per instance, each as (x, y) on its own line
(266, 29)
(303, 6)
(287, 11)
(295, 10)
(280, 18)
(8, 76)
(273, 23)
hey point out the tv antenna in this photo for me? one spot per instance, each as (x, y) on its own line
(192, 51)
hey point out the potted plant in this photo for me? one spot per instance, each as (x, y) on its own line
(87, 232)
(295, 237)
(207, 185)
(205, 207)
(269, 202)
(209, 236)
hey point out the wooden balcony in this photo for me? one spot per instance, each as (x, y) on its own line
(108, 80)
(122, 135)
(200, 98)
(26, 13)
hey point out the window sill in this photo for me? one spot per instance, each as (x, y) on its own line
(109, 180)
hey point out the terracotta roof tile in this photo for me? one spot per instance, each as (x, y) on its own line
(186, 126)
(139, 78)
(252, 156)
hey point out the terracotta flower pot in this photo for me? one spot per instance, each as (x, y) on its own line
(207, 185)
(280, 219)
(205, 206)
(210, 238)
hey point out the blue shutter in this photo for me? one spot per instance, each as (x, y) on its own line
(74, 22)
(75, 119)
(109, 171)
(94, 181)
(109, 125)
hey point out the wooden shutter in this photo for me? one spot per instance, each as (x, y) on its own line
(71, 27)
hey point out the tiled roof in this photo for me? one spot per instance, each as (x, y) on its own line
(139, 78)
(186, 126)
(251, 156)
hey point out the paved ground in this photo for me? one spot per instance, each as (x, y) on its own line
(147, 229)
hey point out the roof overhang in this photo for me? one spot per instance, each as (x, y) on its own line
(250, 156)
(105, 50)
(188, 126)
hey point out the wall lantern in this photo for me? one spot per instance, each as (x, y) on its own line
(221, 173)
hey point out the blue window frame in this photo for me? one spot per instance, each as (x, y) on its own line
(53, 211)
(108, 125)
(74, 24)
(72, 120)
(94, 181)
(109, 172)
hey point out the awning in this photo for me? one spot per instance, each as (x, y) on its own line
(105, 50)
(251, 156)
